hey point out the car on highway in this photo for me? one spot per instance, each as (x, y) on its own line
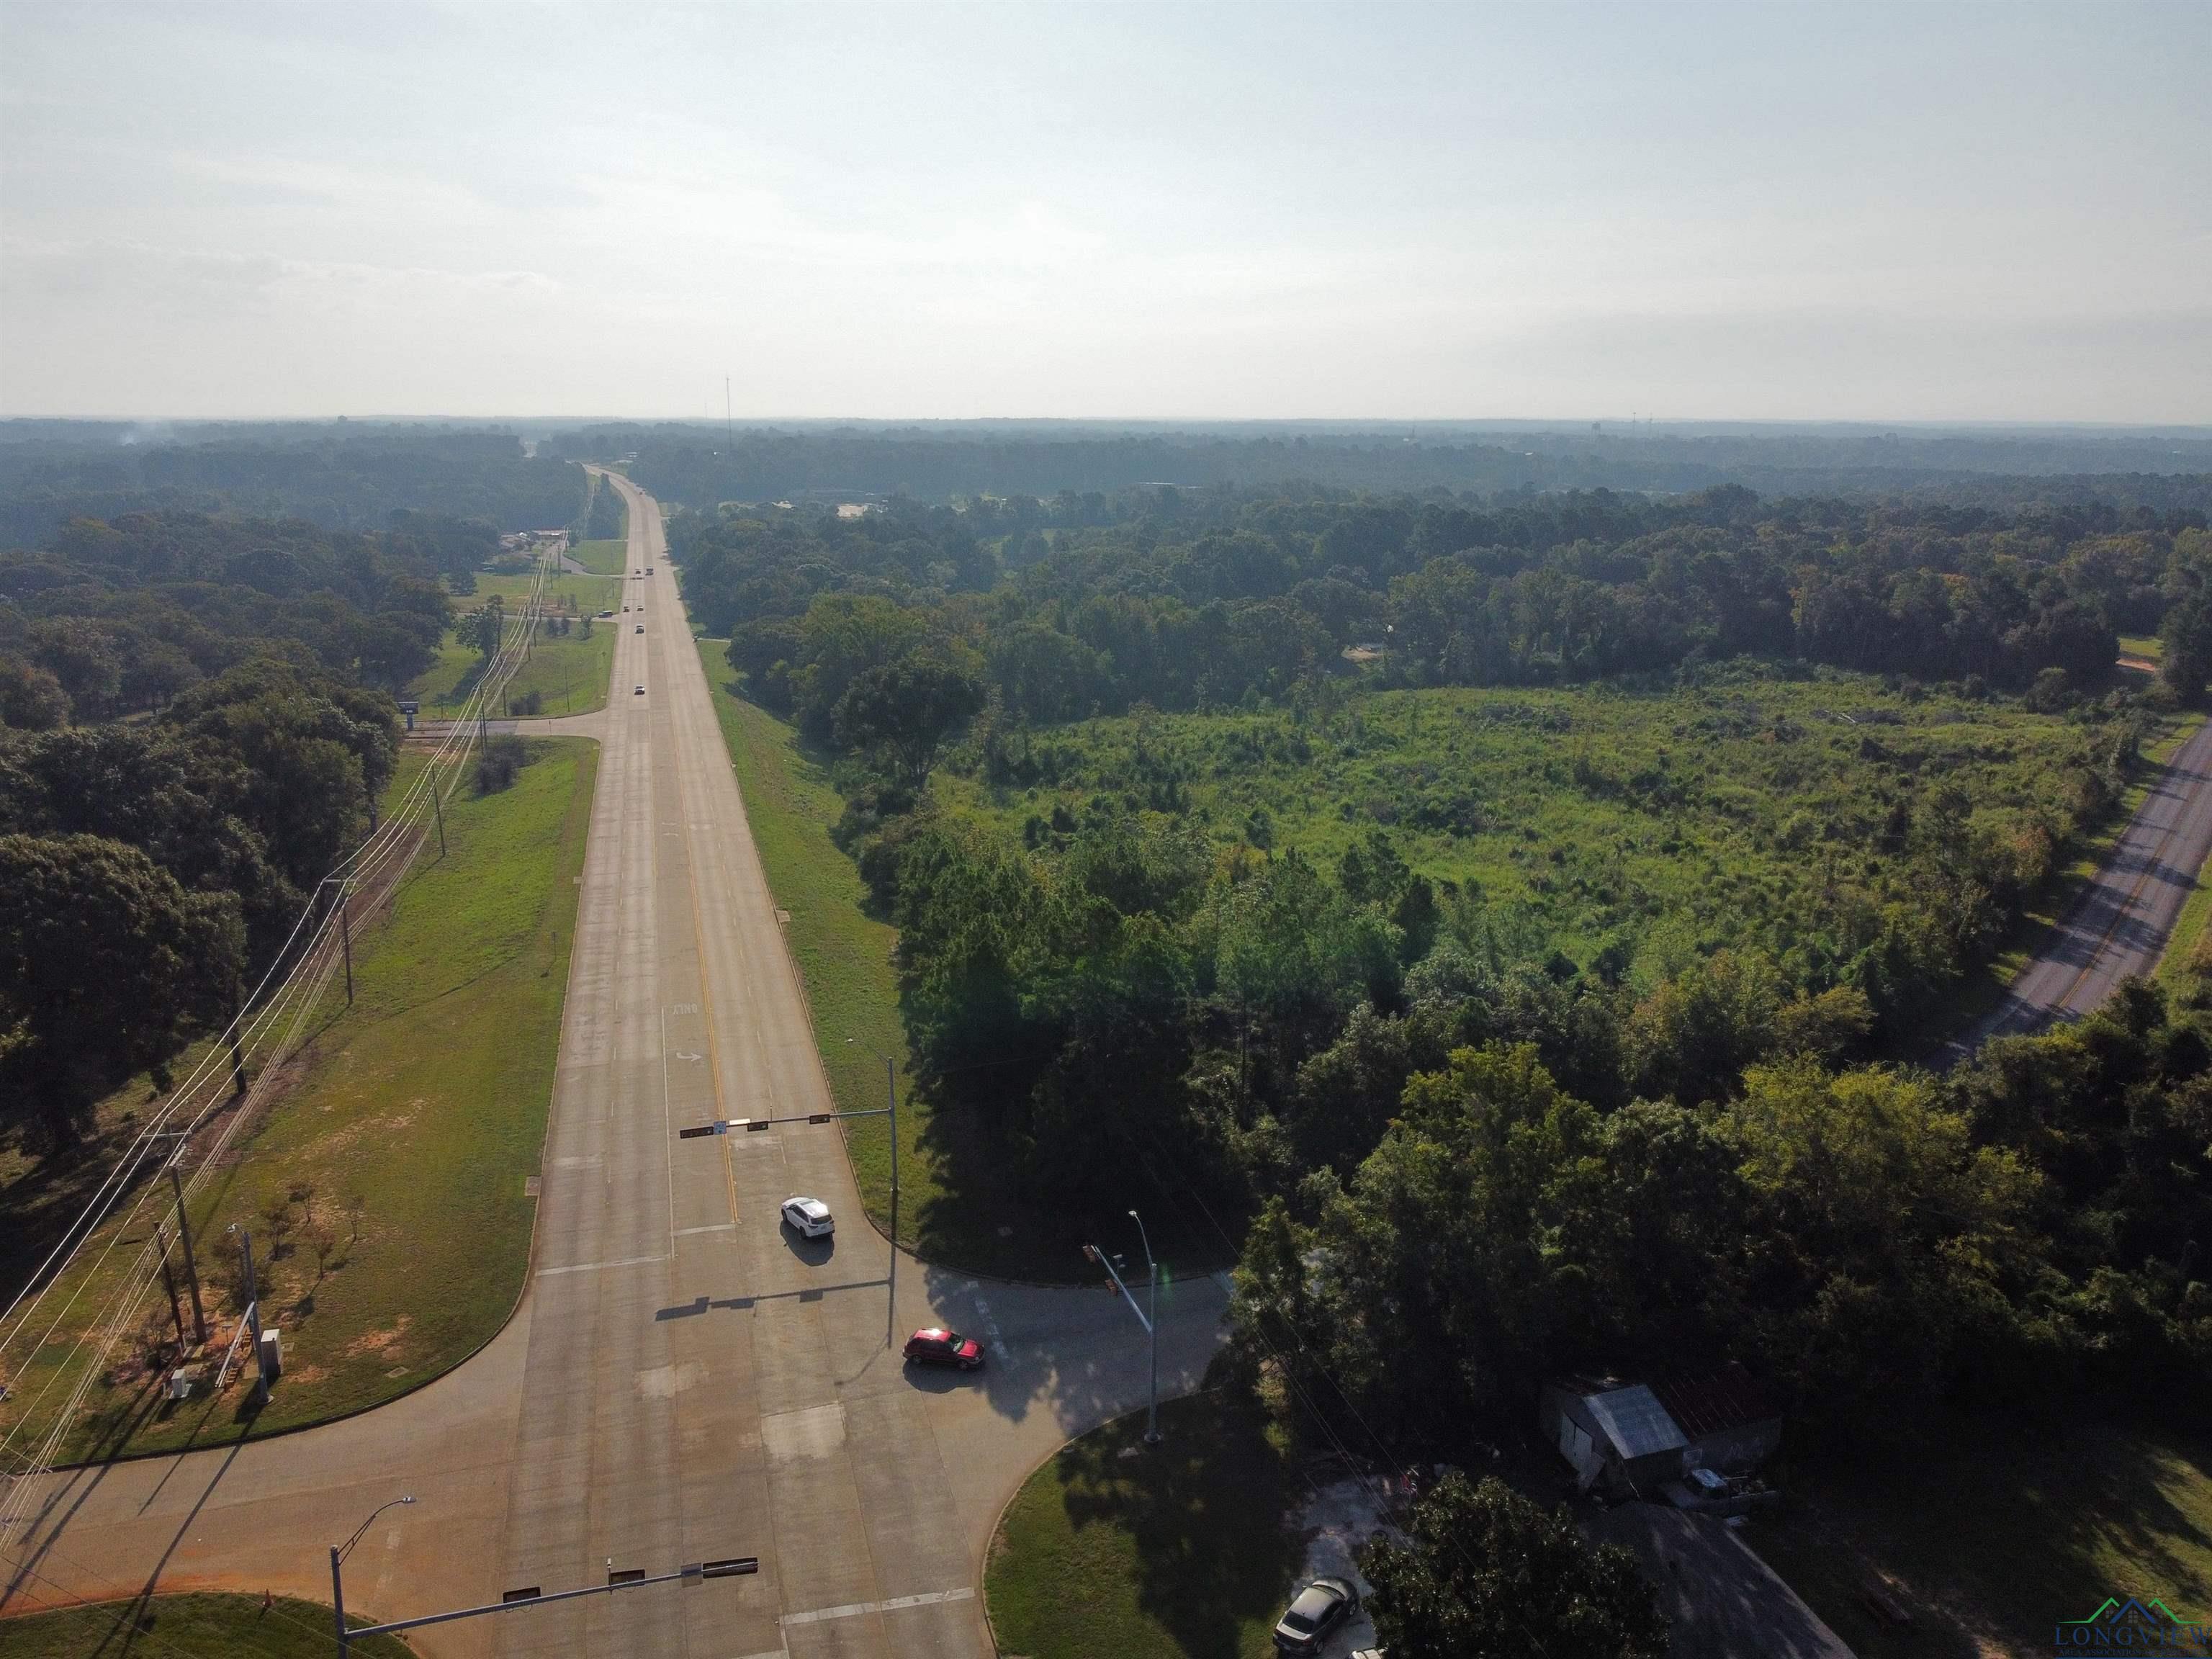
(639, 692)
(641, 627)
(934, 1345)
(808, 1217)
(648, 570)
(1313, 1615)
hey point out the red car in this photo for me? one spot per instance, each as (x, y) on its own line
(933, 1346)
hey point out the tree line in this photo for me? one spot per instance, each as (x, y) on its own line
(335, 475)
(196, 720)
(1081, 605)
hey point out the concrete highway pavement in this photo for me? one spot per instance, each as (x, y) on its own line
(684, 1380)
(2120, 925)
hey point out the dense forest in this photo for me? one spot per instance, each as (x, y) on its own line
(337, 476)
(196, 720)
(2165, 471)
(1467, 1155)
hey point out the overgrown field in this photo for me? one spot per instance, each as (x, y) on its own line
(385, 1190)
(1638, 831)
(185, 1628)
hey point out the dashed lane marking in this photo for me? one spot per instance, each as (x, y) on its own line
(600, 1266)
(895, 1604)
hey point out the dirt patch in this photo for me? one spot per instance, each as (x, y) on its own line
(380, 1343)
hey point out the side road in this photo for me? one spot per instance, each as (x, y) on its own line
(2120, 924)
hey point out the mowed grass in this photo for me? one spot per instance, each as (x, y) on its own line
(187, 1627)
(385, 1188)
(1996, 1533)
(1113, 1550)
(608, 558)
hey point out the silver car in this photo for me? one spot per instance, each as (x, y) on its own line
(1314, 1616)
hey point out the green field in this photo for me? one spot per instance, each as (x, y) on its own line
(385, 1190)
(185, 1628)
(1111, 1551)
(1995, 1534)
(569, 673)
(609, 558)
(1658, 826)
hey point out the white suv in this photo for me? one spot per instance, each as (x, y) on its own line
(808, 1217)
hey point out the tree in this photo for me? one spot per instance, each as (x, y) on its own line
(106, 965)
(1490, 1572)
(31, 698)
(2186, 637)
(902, 713)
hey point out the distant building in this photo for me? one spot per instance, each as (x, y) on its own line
(1639, 1436)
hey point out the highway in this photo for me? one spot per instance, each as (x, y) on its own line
(2120, 924)
(684, 1379)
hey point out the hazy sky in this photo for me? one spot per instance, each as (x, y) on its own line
(1994, 212)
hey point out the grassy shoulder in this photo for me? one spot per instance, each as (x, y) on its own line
(951, 1210)
(1994, 1535)
(1116, 1550)
(385, 1188)
(185, 1628)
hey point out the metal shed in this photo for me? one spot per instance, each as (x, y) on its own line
(1613, 1429)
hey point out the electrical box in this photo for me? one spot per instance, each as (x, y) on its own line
(272, 1354)
(179, 1386)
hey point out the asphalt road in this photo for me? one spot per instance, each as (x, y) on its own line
(684, 1380)
(2120, 924)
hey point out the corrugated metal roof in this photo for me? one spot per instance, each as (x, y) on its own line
(1729, 1399)
(1635, 1421)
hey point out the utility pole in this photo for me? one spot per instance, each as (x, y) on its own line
(252, 1313)
(438, 806)
(1152, 1326)
(345, 941)
(169, 1284)
(237, 1056)
(191, 1267)
(729, 426)
(891, 1311)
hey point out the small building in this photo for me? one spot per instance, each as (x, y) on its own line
(1612, 1430)
(1730, 1423)
(1639, 1436)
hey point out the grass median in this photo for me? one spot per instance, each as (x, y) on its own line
(1115, 1551)
(185, 1628)
(385, 1187)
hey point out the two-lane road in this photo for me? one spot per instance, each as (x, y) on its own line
(684, 1380)
(2120, 924)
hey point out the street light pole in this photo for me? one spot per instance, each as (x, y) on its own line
(339, 1554)
(890, 1310)
(1153, 1412)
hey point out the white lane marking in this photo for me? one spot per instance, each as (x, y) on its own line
(596, 1267)
(857, 1609)
(714, 1227)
